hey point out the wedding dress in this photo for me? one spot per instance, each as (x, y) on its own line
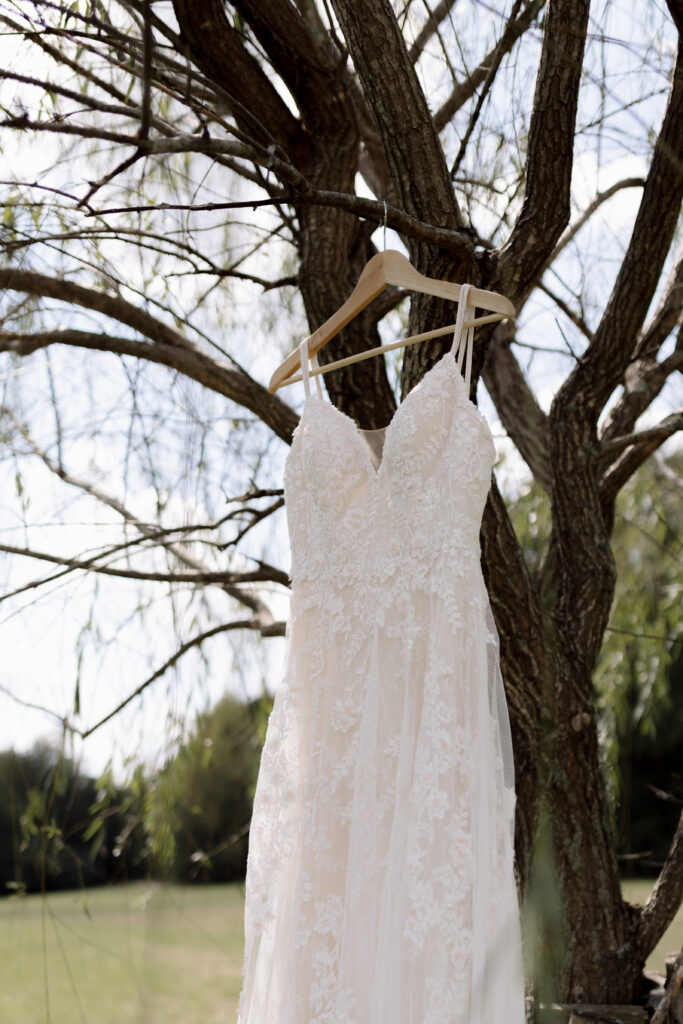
(380, 885)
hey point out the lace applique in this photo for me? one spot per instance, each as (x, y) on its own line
(379, 880)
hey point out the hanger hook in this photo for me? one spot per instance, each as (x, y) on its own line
(384, 223)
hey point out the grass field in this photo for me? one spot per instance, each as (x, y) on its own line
(142, 953)
(139, 953)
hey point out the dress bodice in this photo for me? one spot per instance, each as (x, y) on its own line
(349, 520)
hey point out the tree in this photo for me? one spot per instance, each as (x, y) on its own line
(205, 792)
(47, 836)
(306, 108)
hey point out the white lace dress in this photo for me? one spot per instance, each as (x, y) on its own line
(380, 885)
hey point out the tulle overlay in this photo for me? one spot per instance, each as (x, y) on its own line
(380, 885)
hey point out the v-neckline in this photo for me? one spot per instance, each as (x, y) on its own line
(376, 471)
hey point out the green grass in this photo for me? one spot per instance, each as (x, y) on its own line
(138, 953)
(144, 953)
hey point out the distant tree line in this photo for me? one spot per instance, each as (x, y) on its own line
(61, 829)
(189, 822)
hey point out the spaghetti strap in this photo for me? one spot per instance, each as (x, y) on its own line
(463, 341)
(303, 358)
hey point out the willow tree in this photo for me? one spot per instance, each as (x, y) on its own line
(311, 125)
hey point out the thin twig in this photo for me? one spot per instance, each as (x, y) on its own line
(266, 573)
(644, 636)
(29, 704)
(188, 645)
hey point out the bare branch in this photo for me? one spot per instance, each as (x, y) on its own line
(218, 49)
(178, 143)
(311, 69)
(666, 472)
(570, 313)
(639, 447)
(61, 58)
(663, 902)
(430, 26)
(390, 85)
(602, 197)
(669, 313)
(644, 380)
(497, 55)
(369, 209)
(128, 109)
(251, 601)
(267, 629)
(514, 29)
(603, 365)
(112, 306)
(238, 386)
(266, 574)
(518, 615)
(31, 705)
(673, 985)
(660, 433)
(119, 169)
(546, 207)
(516, 404)
(147, 64)
(676, 12)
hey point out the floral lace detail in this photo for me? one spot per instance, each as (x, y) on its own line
(379, 882)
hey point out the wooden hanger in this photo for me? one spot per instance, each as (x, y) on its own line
(388, 268)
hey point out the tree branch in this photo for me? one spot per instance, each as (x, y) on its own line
(130, 109)
(266, 574)
(518, 618)
(669, 313)
(663, 902)
(496, 58)
(516, 404)
(659, 433)
(571, 314)
(487, 84)
(251, 601)
(93, 298)
(645, 377)
(267, 629)
(644, 380)
(414, 156)
(676, 12)
(546, 208)
(218, 49)
(673, 985)
(639, 447)
(30, 704)
(236, 385)
(312, 71)
(369, 209)
(327, 94)
(430, 27)
(583, 218)
(390, 85)
(603, 364)
(514, 29)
